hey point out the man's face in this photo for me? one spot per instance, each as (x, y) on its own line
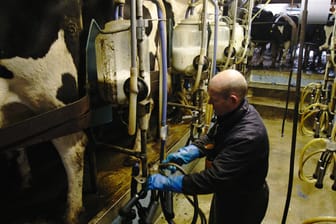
(220, 105)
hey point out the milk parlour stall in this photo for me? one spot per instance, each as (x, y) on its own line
(94, 94)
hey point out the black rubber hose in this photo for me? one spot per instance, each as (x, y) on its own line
(295, 119)
(194, 202)
(200, 212)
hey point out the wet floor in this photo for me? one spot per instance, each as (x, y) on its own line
(306, 201)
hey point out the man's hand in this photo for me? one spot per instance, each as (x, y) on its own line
(184, 155)
(160, 182)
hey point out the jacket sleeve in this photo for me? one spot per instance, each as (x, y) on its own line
(206, 142)
(234, 167)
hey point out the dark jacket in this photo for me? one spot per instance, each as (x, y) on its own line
(239, 158)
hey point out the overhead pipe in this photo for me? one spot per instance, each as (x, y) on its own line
(248, 31)
(214, 57)
(134, 73)
(203, 46)
(209, 109)
(233, 34)
(163, 74)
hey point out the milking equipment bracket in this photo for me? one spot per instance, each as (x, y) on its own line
(62, 121)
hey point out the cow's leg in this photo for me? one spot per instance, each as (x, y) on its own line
(275, 48)
(13, 110)
(317, 60)
(18, 160)
(260, 54)
(254, 55)
(286, 54)
(71, 150)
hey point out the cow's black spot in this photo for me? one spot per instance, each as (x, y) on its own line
(5, 73)
(28, 28)
(67, 93)
(21, 112)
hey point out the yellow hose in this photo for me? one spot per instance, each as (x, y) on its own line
(308, 90)
(310, 111)
(302, 176)
(322, 143)
(302, 128)
(320, 219)
(333, 132)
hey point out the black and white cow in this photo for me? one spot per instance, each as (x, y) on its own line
(317, 40)
(284, 33)
(261, 35)
(39, 59)
(271, 34)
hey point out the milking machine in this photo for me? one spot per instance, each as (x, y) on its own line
(190, 68)
(229, 36)
(122, 79)
(222, 38)
(147, 213)
(326, 148)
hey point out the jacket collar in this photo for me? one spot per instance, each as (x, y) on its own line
(234, 116)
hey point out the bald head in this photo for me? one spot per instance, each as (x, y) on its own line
(227, 90)
(229, 82)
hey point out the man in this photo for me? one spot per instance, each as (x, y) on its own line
(238, 147)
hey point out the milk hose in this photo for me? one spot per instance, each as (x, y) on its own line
(295, 118)
(321, 121)
(204, 41)
(165, 197)
(303, 159)
(314, 89)
(194, 202)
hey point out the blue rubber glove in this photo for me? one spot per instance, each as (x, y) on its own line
(160, 182)
(184, 155)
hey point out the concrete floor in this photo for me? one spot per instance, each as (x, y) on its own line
(306, 201)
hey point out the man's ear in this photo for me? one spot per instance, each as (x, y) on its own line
(234, 99)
